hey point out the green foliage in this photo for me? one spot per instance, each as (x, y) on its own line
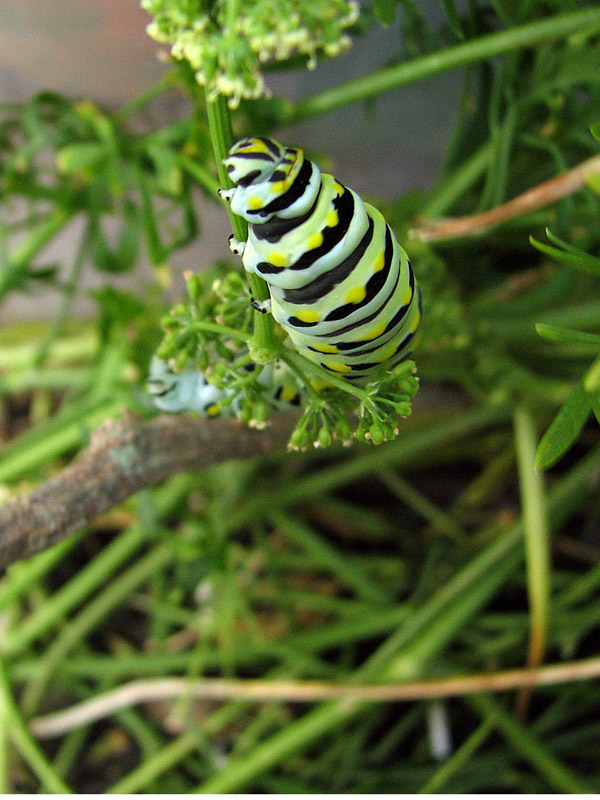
(64, 159)
(380, 403)
(569, 422)
(566, 427)
(568, 254)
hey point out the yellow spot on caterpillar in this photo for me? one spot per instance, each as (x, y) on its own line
(407, 296)
(373, 334)
(415, 323)
(278, 260)
(213, 410)
(254, 202)
(332, 219)
(339, 189)
(356, 295)
(287, 394)
(279, 186)
(337, 367)
(308, 316)
(327, 348)
(388, 353)
(316, 240)
(379, 262)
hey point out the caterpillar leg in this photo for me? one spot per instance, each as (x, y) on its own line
(236, 246)
(226, 194)
(264, 306)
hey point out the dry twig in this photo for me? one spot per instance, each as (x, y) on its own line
(145, 691)
(540, 196)
(125, 456)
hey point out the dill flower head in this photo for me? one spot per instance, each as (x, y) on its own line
(227, 41)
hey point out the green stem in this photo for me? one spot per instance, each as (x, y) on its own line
(304, 364)
(24, 742)
(97, 609)
(221, 134)
(39, 445)
(175, 751)
(162, 85)
(222, 330)
(199, 173)
(57, 380)
(423, 506)
(24, 252)
(156, 765)
(327, 558)
(308, 387)
(70, 748)
(17, 346)
(22, 575)
(483, 48)
(458, 182)
(535, 526)
(63, 601)
(59, 321)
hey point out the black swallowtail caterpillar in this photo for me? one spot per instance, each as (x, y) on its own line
(340, 284)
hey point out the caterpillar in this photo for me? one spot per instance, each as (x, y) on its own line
(189, 390)
(186, 390)
(340, 284)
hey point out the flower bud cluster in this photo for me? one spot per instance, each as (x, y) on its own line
(221, 301)
(200, 334)
(227, 41)
(324, 420)
(385, 401)
(328, 417)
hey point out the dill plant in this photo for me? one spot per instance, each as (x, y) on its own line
(401, 563)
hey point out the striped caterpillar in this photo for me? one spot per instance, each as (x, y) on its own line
(340, 285)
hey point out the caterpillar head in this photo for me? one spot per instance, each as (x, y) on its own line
(254, 160)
